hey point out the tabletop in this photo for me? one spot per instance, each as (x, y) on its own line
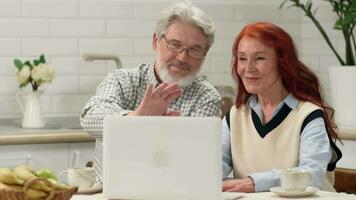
(251, 196)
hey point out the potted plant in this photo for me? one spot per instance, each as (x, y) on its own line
(342, 79)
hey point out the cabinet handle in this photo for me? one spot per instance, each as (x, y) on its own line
(75, 159)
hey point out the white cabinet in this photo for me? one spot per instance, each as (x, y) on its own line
(53, 156)
(80, 154)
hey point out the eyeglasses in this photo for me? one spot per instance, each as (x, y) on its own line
(177, 47)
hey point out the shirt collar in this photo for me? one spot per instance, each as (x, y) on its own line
(290, 100)
(152, 79)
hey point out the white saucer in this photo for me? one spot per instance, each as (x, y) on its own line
(283, 193)
(96, 188)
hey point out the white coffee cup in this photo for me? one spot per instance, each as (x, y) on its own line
(294, 179)
(81, 177)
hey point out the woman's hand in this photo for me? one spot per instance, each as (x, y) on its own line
(238, 185)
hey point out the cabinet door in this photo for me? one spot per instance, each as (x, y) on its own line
(80, 154)
(51, 156)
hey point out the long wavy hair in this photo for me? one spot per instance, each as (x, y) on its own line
(297, 78)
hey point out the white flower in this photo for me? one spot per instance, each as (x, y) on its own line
(23, 74)
(42, 73)
(37, 73)
(48, 73)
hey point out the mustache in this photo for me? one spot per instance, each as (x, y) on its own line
(179, 64)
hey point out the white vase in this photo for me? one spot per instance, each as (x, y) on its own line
(343, 95)
(32, 111)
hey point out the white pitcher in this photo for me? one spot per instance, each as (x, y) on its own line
(32, 112)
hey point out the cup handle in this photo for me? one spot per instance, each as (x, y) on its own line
(60, 177)
(18, 95)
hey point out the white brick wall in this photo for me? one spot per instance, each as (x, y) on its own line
(65, 29)
(48, 9)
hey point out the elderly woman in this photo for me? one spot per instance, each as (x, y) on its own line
(279, 119)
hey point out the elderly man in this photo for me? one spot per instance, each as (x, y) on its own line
(169, 87)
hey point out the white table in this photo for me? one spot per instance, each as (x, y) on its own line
(251, 196)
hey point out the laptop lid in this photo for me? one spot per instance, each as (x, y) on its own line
(172, 158)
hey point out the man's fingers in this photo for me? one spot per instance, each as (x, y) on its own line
(165, 89)
(172, 113)
(157, 92)
(171, 97)
(170, 88)
(149, 90)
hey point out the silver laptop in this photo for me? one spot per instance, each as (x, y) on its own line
(160, 158)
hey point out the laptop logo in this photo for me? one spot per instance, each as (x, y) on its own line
(160, 158)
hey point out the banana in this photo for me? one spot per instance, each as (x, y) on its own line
(9, 187)
(8, 177)
(56, 184)
(59, 186)
(35, 194)
(26, 173)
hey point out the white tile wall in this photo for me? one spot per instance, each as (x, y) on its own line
(47, 9)
(118, 46)
(10, 8)
(21, 27)
(10, 46)
(106, 9)
(65, 29)
(51, 46)
(78, 27)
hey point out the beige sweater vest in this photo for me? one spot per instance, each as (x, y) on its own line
(279, 149)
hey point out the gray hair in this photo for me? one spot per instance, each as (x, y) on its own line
(186, 12)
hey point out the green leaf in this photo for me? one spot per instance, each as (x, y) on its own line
(309, 6)
(338, 25)
(42, 59)
(28, 63)
(349, 19)
(18, 64)
(24, 84)
(36, 62)
(353, 6)
(282, 4)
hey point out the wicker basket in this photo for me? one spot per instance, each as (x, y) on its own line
(55, 194)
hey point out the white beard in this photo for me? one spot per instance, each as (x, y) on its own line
(182, 82)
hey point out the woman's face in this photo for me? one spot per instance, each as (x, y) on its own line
(257, 66)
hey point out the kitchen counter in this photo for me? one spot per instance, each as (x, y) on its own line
(57, 130)
(347, 134)
(68, 129)
(250, 196)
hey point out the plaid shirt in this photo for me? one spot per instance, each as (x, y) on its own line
(123, 90)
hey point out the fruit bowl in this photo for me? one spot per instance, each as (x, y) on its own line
(22, 193)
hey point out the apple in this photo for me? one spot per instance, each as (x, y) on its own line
(47, 174)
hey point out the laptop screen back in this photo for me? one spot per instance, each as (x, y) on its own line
(162, 158)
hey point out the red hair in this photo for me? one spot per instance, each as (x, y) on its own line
(297, 78)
